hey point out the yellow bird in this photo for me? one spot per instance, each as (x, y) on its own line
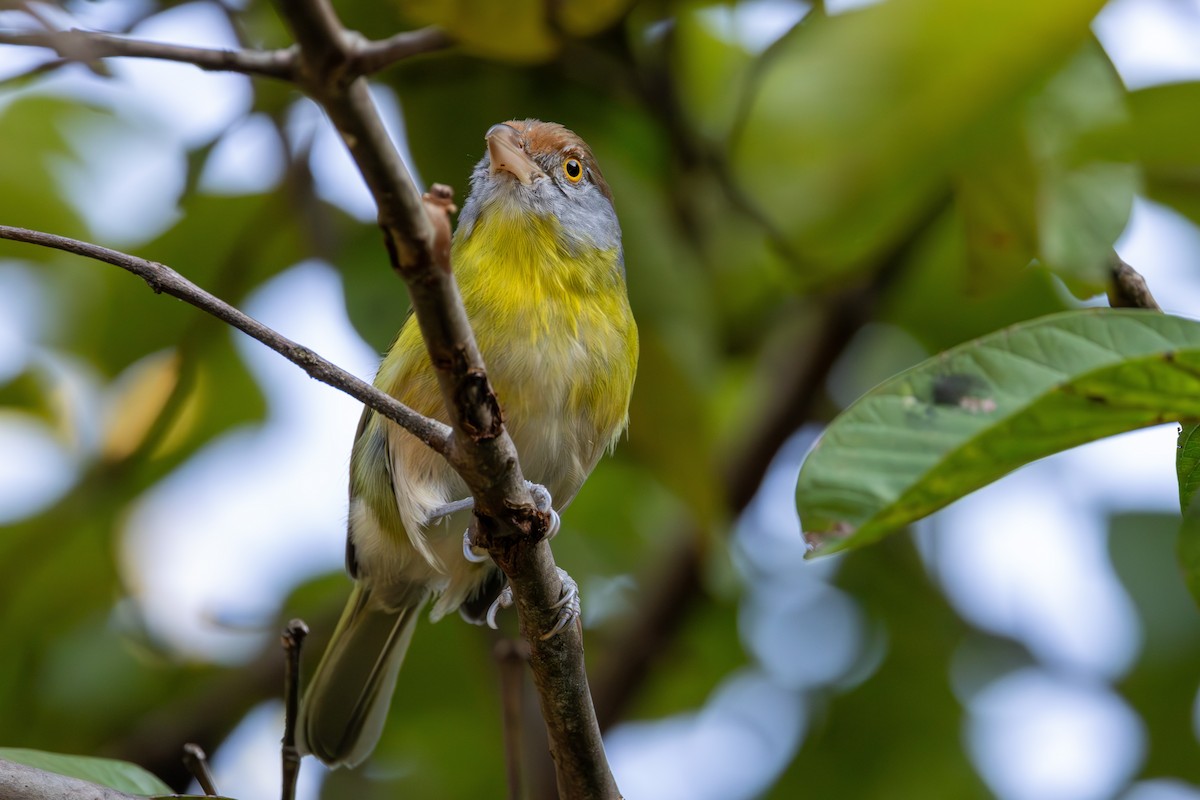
(537, 255)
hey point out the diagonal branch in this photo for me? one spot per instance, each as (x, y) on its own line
(164, 280)
(508, 523)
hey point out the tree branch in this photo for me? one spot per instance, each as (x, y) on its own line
(19, 782)
(363, 56)
(370, 57)
(164, 280)
(293, 640)
(85, 46)
(507, 522)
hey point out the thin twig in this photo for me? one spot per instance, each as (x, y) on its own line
(163, 279)
(1128, 288)
(196, 761)
(369, 57)
(511, 656)
(80, 45)
(293, 641)
(364, 56)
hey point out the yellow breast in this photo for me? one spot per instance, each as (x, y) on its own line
(558, 338)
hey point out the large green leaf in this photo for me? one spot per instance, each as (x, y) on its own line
(974, 413)
(867, 113)
(119, 775)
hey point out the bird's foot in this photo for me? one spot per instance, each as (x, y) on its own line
(469, 550)
(441, 512)
(545, 504)
(567, 605)
(476, 555)
(503, 600)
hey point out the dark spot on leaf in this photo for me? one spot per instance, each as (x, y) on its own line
(968, 392)
(949, 390)
(1169, 356)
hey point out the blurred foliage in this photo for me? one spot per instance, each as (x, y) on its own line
(947, 168)
(916, 635)
(1141, 546)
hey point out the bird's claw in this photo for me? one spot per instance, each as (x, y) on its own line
(541, 498)
(545, 504)
(567, 605)
(469, 550)
(503, 600)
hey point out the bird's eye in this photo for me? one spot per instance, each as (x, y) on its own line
(573, 170)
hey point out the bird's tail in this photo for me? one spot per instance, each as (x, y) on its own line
(347, 699)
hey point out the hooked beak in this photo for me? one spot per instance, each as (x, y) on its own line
(507, 154)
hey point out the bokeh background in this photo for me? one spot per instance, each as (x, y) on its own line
(813, 196)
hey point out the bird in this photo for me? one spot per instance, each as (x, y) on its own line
(538, 259)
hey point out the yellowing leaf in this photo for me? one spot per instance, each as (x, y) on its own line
(139, 397)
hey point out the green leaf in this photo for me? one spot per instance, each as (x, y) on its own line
(867, 113)
(1165, 119)
(974, 413)
(119, 775)
(1187, 466)
(1161, 682)
(1084, 202)
(941, 302)
(1041, 190)
(35, 150)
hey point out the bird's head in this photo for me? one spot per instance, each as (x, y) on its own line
(535, 172)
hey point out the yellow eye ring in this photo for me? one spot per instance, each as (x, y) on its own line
(573, 170)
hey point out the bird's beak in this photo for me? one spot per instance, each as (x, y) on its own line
(506, 153)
